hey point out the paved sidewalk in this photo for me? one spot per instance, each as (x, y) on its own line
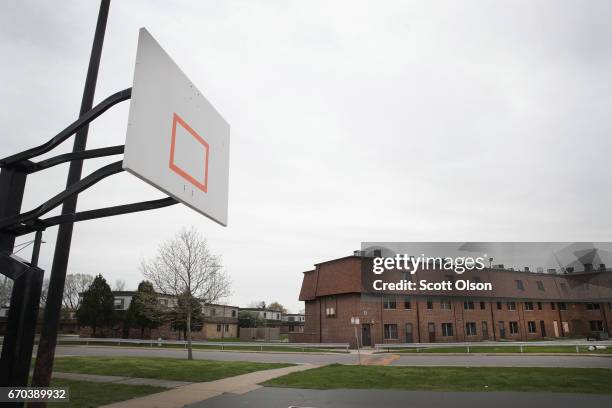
(196, 392)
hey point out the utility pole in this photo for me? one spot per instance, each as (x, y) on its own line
(48, 337)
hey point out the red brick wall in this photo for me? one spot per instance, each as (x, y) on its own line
(320, 328)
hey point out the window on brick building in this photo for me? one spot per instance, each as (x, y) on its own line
(407, 304)
(596, 325)
(233, 313)
(118, 304)
(390, 331)
(514, 327)
(429, 305)
(483, 306)
(539, 305)
(562, 306)
(519, 284)
(528, 305)
(407, 276)
(552, 305)
(499, 306)
(389, 302)
(450, 278)
(468, 305)
(227, 327)
(531, 327)
(470, 329)
(592, 306)
(330, 312)
(445, 304)
(540, 285)
(511, 305)
(610, 305)
(219, 328)
(447, 329)
(476, 279)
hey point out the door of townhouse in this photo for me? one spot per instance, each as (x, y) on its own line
(409, 338)
(502, 330)
(366, 335)
(543, 328)
(556, 328)
(485, 330)
(431, 329)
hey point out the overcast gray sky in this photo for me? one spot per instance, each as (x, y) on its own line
(351, 121)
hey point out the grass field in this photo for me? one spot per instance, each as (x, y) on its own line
(88, 394)
(263, 347)
(507, 349)
(160, 368)
(569, 380)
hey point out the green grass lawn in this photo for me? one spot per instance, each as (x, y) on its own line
(263, 347)
(88, 394)
(161, 368)
(507, 349)
(570, 380)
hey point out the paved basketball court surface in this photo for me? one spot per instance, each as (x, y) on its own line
(288, 397)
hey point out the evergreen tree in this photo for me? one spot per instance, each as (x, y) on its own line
(144, 311)
(248, 319)
(97, 306)
(178, 315)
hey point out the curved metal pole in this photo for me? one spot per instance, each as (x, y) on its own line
(81, 122)
(80, 155)
(55, 201)
(37, 225)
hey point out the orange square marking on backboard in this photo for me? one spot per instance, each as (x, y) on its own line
(201, 183)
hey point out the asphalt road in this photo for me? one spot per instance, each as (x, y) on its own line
(289, 397)
(525, 360)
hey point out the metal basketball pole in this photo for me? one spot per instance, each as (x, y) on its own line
(48, 337)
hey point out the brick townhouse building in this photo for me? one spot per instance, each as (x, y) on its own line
(219, 321)
(522, 305)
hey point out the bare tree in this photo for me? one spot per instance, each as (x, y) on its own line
(119, 285)
(75, 285)
(185, 267)
(6, 288)
(43, 292)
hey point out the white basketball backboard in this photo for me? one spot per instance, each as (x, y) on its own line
(176, 140)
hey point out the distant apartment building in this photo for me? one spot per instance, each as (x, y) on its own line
(292, 323)
(522, 306)
(270, 317)
(218, 321)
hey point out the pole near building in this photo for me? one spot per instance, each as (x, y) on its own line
(48, 337)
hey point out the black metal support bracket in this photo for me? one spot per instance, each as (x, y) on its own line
(22, 158)
(7, 224)
(39, 224)
(31, 167)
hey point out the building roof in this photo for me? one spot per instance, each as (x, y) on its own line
(344, 275)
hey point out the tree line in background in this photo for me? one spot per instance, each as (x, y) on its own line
(184, 269)
(97, 310)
